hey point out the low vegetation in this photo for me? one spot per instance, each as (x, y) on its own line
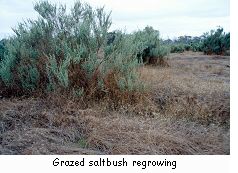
(69, 86)
(190, 114)
(216, 42)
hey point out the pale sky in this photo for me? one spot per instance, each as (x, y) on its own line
(171, 17)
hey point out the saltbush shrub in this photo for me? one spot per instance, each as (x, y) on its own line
(69, 51)
(2, 48)
(151, 49)
(177, 48)
(216, 42)
(213, 42)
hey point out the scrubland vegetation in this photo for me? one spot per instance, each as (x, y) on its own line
(214, 42)
(69, 86)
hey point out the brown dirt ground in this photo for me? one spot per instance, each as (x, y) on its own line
(189, 114)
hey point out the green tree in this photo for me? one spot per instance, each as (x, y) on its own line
(216, 42)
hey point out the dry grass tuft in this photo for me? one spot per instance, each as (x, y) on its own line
(155, 136)
(35, 127)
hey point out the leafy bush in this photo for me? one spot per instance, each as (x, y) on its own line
(2, 48)
(69, 52)
(196, 47)
(187, 47)
(177, 48)
(149, 49)
(150, 45)
(216, 42)
(184, 43)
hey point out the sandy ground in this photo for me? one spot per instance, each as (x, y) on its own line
(189, 114)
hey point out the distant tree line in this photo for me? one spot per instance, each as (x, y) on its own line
(213, 42)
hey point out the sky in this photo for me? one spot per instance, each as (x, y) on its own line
(172, 18)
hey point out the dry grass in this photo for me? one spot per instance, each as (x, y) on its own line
(34, 127)
(188, 113)
(189, 89)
